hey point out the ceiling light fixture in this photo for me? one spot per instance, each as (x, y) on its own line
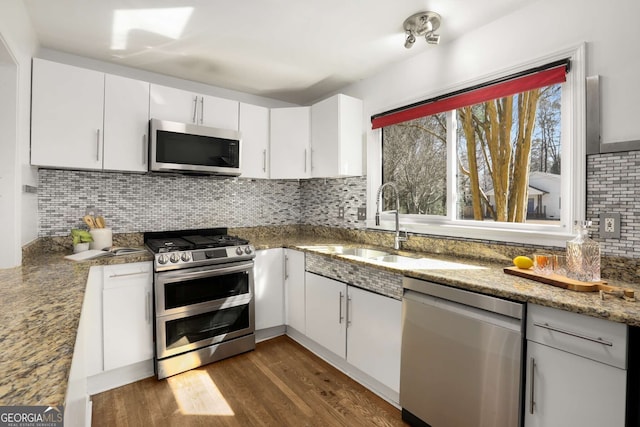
(422, 24)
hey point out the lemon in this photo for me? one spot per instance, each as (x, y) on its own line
(523, 262)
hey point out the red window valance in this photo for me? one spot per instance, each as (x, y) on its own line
(533, 79)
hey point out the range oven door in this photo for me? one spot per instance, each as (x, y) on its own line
(201, 306)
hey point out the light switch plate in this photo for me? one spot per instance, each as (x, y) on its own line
(362, 214)
(610, 225)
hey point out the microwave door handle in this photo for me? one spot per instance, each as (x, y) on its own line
(202, 110)
(195, 109)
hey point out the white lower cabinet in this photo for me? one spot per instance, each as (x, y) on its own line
(326, 313)
(294, 290)
(269, 288)
(127, 314)
(374, 331)
(576, 370)
(361, 326)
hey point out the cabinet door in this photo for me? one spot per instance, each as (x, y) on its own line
(374, 330)
(269, 288)
(570, 390)
(127, 314)
(326, 312)
(336, 137)
(93, 319)
(218, 112)
(66, 116)
(290, 143)
(254, 131)
(294, 289)
(176, 105)
(126, 123)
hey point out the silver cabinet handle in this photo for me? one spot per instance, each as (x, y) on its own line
(340, 316)
(311, 160)
(144, 149)
(201, 109)
(532, 373)
(349, 302)
(137, 273)
(286, 267)
(195, 109)
(573, 334)
(97, 145)
(264, 160)
(305, 160)
(147, 308)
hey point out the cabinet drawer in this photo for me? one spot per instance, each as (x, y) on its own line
(586, 336)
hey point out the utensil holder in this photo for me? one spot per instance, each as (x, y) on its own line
(102, 238)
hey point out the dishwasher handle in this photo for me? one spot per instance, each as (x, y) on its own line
(466, 311)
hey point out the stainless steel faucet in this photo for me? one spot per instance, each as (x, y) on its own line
(397, 239)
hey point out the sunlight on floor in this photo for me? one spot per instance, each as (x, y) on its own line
(197, 394)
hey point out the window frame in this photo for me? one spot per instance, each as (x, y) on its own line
(573, 181)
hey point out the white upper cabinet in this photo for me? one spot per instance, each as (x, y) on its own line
(219, 112)
(254, 131)
(336, 137)
(290, 143)
(66, 116)
(126, 122)
(84, 119)
(183, 106)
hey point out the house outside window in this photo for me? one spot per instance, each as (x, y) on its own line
(503, 164)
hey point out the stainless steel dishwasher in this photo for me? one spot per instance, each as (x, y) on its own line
(461, 362)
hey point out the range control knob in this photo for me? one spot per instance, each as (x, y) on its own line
(163, 259)
(175, 257)
(247, 250)
(239, 250)
(186, 256)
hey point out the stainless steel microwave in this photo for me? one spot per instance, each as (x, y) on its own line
(188, 148)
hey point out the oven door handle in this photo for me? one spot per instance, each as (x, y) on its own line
(208, 271)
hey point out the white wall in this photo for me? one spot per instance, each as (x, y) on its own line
(18, 44)
(534, 32)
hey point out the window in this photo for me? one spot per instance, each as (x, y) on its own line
(503, 159)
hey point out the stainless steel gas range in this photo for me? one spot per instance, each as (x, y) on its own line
(204, 298)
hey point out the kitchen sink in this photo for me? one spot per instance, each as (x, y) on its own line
(347, 251)
(401, 262)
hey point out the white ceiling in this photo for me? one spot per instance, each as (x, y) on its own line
(292, 50)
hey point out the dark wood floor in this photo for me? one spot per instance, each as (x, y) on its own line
(279, 384)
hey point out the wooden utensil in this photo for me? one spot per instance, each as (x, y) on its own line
(88, 219)
(567, 283)
(100, 222)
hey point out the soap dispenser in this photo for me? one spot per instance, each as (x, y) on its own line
(583, 255)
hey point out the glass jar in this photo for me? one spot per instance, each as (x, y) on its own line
(583, 255)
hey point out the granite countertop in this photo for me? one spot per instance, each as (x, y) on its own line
(491, 279)
(42, 302)
(41, 305)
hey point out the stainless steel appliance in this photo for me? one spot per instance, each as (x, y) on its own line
(461, 362)
(188, 148)
(204, 298)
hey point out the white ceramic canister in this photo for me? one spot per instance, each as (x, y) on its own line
(102, 238)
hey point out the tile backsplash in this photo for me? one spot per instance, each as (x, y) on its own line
(152, 202)
(141, 202)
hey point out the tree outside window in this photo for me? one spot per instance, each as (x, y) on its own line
(508, 165)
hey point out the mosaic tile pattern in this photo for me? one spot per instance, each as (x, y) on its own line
(321, 199)
(613, 185)
(370, 278)
(136, 202)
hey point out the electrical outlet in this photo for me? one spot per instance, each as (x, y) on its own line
(340, 212)
(362, 214)
(610, 225)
